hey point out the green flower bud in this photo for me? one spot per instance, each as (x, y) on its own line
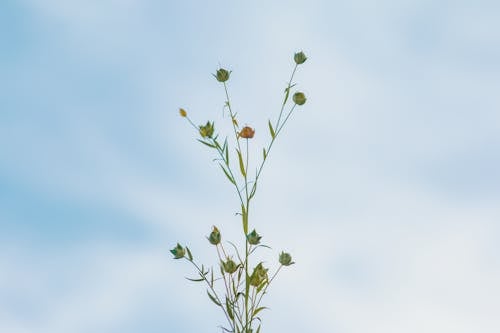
(300, 58)
(222, 75)
(207, 130)
(285, 259)
(299, 98)
(214, 237)
(253, 238)
(258, 276)
(229, 266)
(178, 251)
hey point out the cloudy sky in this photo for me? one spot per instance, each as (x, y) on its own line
(385, 186)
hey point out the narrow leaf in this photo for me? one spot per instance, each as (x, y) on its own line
(259, 310)
(206, 143)
(252, 193)
(213, 299)
(227, 174)
(227, 152)
(228, 308)
(242, 166)
(258, 329)
(264, 153)
(273, 134)
(190, 256)
(196, 280)
(245, 219)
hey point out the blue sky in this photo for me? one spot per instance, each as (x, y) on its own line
(385, 186)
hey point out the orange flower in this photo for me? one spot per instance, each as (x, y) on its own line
(247, 132)
(182, 112)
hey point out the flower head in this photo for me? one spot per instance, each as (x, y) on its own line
(207, 130)
(285, 259)
(258, 276)
(247, 132)
(299, 98)
(214, 237)
(253, 237)
(183, 112)
(178, 251)
(229, 266)
(222, 75)
(299, 58)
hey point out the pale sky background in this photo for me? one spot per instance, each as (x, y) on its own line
(385, 187)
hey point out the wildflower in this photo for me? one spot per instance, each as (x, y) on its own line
(299, 98)
(247, 132)
(182, 112)
(253, 237)
(285, 259)
(178, 251)
(299, 58)
(214, 237)
(222, 75)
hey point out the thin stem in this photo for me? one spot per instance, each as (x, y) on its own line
(213, 291)
(265, 288)
(287, 94)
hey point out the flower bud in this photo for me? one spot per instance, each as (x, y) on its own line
(253, 237)
(222, 75)
(214, 237)
(247, 132)
(229, 266)
(178, 251)
(258, 276)
(300, 58)
(207, 130)
(299, 98)
(285, 259)
(183, 112)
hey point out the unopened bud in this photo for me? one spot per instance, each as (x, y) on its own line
(258, 276)
(183, 112)
(299, 58)
(222, 75)
(178, 251)
(207, 130)
(253, 237)
(214, 237)
(299, 98)
(229, 266)
(285, 259)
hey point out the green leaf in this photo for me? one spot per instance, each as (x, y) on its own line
(258, 329)
(264, 153)
(228, 308)
(196, 280)
(273, 134)
(213, 299)
(206, 143)
(242, 166)
(245, 219)
(227, 174)
(190, 256)
(287, 93)
(227, 152)
(258, 310)
(252, 193)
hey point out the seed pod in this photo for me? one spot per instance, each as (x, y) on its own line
(299, 98)
(178, 251)
(214, 237)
